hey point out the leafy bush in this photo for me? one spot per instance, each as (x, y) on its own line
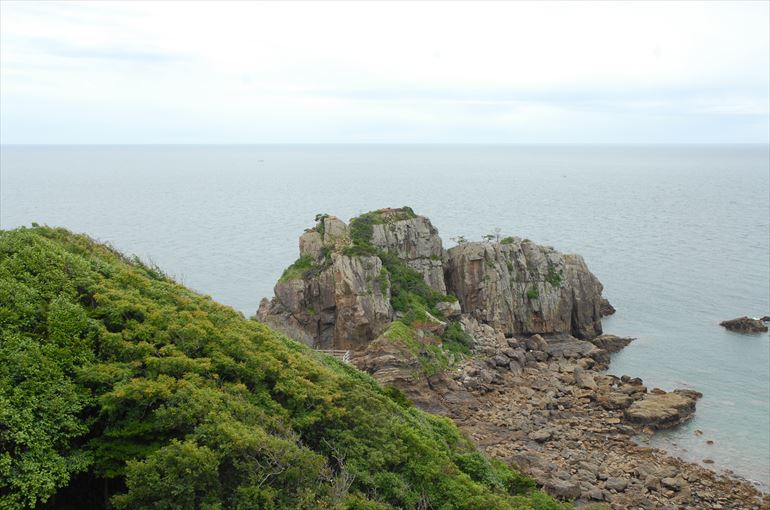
(533, 293)
(120, 388)
(456, 340)
(507, 240)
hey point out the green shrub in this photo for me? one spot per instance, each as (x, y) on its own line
(533, 293)
(553, 277)
(507, 240)
(398, 396)
(456, 340)
(120, 388)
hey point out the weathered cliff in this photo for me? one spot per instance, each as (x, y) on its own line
(520, 287)
(340, 302)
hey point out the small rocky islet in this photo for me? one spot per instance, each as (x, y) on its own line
(505, 337)
(746, 324)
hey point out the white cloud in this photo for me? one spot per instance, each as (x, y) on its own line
(251, 72)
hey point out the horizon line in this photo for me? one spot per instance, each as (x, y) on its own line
(106, 144)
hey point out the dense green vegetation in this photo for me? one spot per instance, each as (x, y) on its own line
(121, 389)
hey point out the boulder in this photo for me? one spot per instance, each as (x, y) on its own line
(660, 410)
(584, 379)
(616, 484)
(449, 309)
(541, 435)
(605, 308)
(611, 343)
(519, 287)
(566, 490)
(536, 343)
(568, 346)
(745, 325)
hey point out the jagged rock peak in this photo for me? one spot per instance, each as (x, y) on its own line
(329, 232)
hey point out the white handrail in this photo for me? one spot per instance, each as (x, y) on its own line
(342, 355)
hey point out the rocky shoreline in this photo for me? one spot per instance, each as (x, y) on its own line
(571, 427)
(506, 339)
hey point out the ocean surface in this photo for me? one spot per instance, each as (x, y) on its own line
(677, 234)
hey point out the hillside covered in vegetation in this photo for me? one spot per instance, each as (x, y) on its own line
(121, 389)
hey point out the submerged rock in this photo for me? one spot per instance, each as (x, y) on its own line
(745, 325)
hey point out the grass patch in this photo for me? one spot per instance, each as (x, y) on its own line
(532, 293)
(298, 269)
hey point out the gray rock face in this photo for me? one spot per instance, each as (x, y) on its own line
(416, 242)
(363, 310)
(524, 288)
(330, 233)
(343, 306)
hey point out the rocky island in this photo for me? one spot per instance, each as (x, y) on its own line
(505, 338)
(746, 325)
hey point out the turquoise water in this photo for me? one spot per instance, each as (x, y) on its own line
(678, 235)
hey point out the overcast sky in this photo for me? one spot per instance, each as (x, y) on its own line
(499, 72)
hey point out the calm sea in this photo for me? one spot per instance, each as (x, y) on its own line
(677, 234)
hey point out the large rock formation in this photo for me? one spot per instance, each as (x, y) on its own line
(520, 287)
(337, 295)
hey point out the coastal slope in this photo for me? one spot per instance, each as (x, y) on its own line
(504, 336)
(120, 388)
